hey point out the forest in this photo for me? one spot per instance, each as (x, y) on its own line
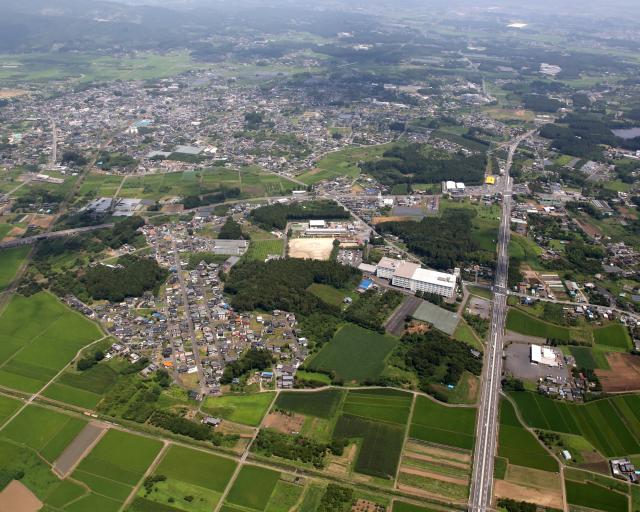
(441, 242)
(276, 216)
(231, 230)
(413, 164)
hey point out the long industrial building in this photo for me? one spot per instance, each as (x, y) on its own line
(411, 276)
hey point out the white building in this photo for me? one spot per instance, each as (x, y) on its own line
(412, 277)
(544, 355)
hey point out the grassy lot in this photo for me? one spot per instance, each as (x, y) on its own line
(253, 487)
(437, 423)
(609, 424)
(329, 294)
(355, 354)
(342, 163)
(260, 249)
(526, 250)
(38, 337)
(614, 336)
(401, 506)
(519, 445)
(321, 404)
(83, 389)
(381, 446)
(103, 185)
(432, 485)
(379, 405)
(584, 357)
(519, 321)
(465, 334)
(245, 409)
(10, 261)
(47, 432)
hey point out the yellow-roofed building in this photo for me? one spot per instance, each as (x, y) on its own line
(490, 180)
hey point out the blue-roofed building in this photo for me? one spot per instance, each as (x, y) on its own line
(365, 284)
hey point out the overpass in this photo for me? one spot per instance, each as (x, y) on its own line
(18, 242)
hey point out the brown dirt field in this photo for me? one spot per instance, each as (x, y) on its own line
(16, 497)
(433, 475)
(438, 452)
(627, 213)
(533, 478)
(420, 492)
(42, 221)
(284, 423)
(16, 232)
(589, 229)
(172, 208)
(380, 220)
(601, 467)
(11, 93)
(78, 448)
(311, 248)
(340, 465)
(624, 374)
(544, 497)
(437, 460)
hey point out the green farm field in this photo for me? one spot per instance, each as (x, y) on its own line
(595, 497)
(436, 423)
(379, 405)
(401, 506)
(355, 354)
(614, 336)
(116, 464)
(519, 445)
(245, 409)
(194, 473)
(253, 488)
(46, 431)
(519, 321)
(609, 424)
(10, 261)
(321, 404)
(38, 337)
(328, 294)
(83, 389)
(8, 406)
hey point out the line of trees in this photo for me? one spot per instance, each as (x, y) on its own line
(277, 215)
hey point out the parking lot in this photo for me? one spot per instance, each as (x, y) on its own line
(519, 364)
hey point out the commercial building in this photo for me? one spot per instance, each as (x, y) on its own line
(230, 247)
(412, 277)
(544, 355)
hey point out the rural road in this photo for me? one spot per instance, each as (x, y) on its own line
(481, 494)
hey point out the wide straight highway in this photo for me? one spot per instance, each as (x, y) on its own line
(487, 426)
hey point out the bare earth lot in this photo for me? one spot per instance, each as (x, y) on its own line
(544, 497)
(18, 498)
(284, 423)
(624, 374)
(311, 248)
(81, 445)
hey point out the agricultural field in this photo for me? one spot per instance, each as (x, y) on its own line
(329, 294)
(10, 262)
(520, 446)
(614, 337)
(355, 354)
(401, 506)
(102, 185)
(187, 473)
(46, 431)
(38, 337)
(379, 405)
(609, 424)
(584, 357)
(596, 492)
(321, 404)
(436, 470)
(436, 423)
(523, 323)
(260, 249)
(381, 444)
(8, 406)
(113, 467)
(253, 488)
(245, 409)
(342, 163)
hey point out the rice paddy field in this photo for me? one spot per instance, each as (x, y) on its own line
(10, 261)
(520, 446)
(46, 431)
(38, 337)
(112, 469)
(379, 405)
(519, 321)
(321, 404)
(8, 406)
(436, 423)
(613, 337)
(189, 473)
(611, 425)
(253, 488)
(596, 492)
(355, 354)
(246, 409)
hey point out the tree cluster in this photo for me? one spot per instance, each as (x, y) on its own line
(89, 361)
(231, 230)
(336, 499)
(130, 278)
(413, 164)
(277, 215)
(185, 427)
(269, 442)
(253, 360)
(218, 196)
(372, 309)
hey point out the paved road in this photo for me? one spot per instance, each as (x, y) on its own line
(487, 427)
(52, 234)
(395, 323)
